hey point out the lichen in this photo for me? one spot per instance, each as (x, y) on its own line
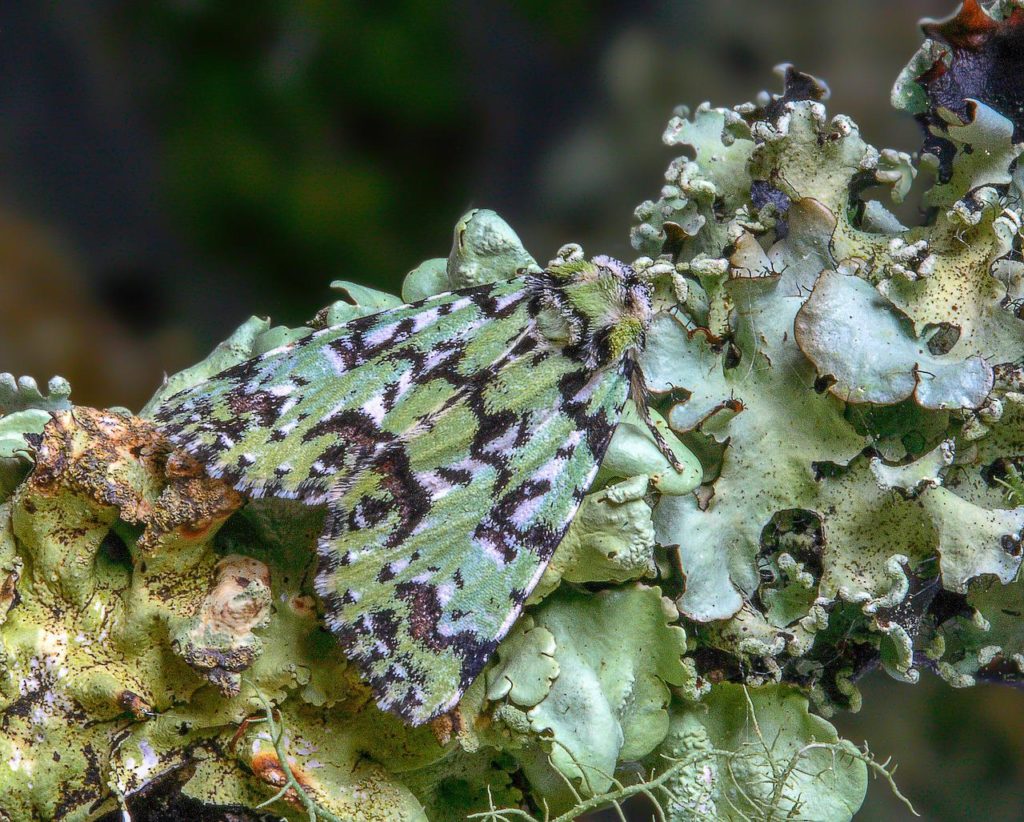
(844, 394)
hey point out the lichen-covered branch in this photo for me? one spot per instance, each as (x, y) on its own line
(843, 393)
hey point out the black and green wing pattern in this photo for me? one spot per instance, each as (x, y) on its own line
(452, 442)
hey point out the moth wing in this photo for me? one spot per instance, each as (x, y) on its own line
(429, 552)
(294, 420)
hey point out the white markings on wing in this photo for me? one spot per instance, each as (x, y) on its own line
(491, 550)
(587, 391)
(424, 319)
(381, 335)
(287, 427)
(505, 300)
(434, 484)
(374, 408)
(336, 360)
(437, 357)
(504, 443)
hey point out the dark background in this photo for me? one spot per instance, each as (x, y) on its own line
(168, 168)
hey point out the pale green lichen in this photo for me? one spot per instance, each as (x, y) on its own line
(609, 699)
(24, 411)
(764, 757)
(880, 363)
(882, 313)
(484, 249)
(844, 393)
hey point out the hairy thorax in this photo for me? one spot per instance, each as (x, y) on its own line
(598, 310)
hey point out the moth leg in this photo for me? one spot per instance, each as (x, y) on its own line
(640, 394)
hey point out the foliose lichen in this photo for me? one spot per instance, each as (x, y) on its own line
(845, 393)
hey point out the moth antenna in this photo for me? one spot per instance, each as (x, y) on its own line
(641, 394)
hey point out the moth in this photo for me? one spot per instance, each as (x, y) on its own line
(451, 441)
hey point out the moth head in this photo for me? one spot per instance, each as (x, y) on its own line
(605, 307)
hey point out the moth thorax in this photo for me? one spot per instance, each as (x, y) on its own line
(559, 327)
(598, 309)
(626, 334)
(626, 313)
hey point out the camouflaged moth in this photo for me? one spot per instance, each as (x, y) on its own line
(451, 440)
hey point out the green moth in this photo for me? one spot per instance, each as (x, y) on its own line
(451, 440)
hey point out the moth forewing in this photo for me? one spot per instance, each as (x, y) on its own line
(452, 441)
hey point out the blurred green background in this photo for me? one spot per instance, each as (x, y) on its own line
(168, 168)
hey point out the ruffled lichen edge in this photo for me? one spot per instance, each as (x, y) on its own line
(860, 505)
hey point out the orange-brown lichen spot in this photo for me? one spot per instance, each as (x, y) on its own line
(446, 726)
(191, 508)
(267, 768)
(123, 461)
(971, 27)
(303, 605)
(968, 28)
(240, 599)
(111, 458)
(134, 704)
